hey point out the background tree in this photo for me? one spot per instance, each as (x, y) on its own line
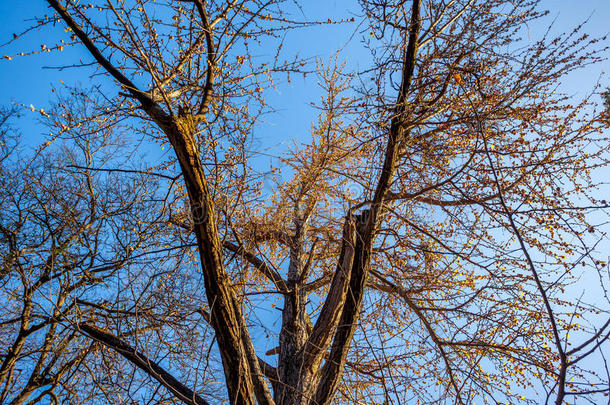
(81, 244)
(426, 244)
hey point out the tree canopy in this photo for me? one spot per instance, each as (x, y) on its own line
(435, 238)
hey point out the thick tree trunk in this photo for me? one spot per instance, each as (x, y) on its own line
(244, 378)
(302, 381)
(294, 379)
(333, 367)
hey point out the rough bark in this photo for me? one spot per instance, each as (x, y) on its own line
(294, 379)
(328, 319)
(332, 371)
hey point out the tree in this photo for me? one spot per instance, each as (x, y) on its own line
(79, 244)
(428, 241)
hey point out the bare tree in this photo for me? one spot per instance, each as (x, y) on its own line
(80, 246)
(426, 245)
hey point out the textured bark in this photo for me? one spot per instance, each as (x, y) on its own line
(332, 371)
(367, 224)
(244, 378)
(294, 379)
(327, 321)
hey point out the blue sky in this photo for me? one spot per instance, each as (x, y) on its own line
(25, 80)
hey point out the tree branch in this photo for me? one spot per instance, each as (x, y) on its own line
(151, 368)
(152, 108)
(260, 265)
(332, 309)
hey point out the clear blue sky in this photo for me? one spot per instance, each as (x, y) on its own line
(25, 81)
